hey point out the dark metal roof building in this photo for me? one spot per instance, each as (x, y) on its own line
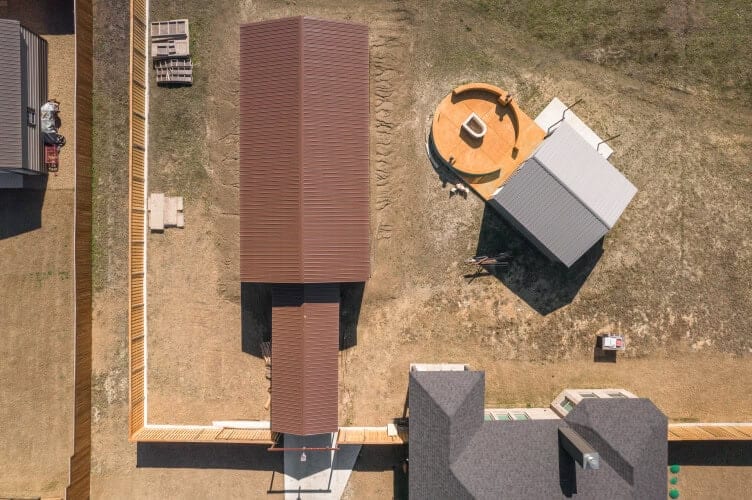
(304, 199)
(455, 454)
(565, 197)
(23, 90)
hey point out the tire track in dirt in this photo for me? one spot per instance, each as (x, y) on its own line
(389, 47)
(388, 51)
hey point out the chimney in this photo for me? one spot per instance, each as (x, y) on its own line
(579, 449)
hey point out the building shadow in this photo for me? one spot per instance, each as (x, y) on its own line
(601, 356)
(567, 473)
(543, 284)
(208, 456)
(351, 300)
(255, 316)
(712, 453)
(44, 17)
(380, 458)
(21, 209)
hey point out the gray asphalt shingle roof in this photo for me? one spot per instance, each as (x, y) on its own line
(565, 197)
(457, 455)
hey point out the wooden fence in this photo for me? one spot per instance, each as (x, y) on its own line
(80, 463)
(136, 218)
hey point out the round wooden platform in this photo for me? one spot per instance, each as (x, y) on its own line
(488, 162)
(466, 154)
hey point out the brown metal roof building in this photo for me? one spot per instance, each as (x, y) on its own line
(304, 207)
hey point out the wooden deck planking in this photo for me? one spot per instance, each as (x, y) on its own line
(488, 163)
(710, 432)
(370, 436)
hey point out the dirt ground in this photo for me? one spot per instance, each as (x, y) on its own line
(673, 277)
(36, 314)
(666, 277)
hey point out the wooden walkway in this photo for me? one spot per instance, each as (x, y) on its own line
(710, 432)
(399, 435)
(371, 435)
(202, 434)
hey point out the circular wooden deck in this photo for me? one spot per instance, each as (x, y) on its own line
(466, 154)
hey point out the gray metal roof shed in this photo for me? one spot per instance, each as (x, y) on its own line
(565, 197)
(23, 90)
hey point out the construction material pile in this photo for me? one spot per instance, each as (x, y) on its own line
(170, 52)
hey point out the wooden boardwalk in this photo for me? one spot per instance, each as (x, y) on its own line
(371, 436)
(710, 432)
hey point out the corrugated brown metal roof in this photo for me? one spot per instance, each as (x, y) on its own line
(304, 152)
(305, 347)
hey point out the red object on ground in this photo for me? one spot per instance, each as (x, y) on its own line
(51, 158)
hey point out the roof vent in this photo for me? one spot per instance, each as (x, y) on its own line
(579, 449)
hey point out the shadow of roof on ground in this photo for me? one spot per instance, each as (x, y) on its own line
(718, 453)
(256, 315)
(208, 456)
(20, 210)
(543, 284)
(44, 17)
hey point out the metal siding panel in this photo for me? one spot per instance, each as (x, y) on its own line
(270, 158)
(535, 200)
(335, 152)
(287, 359)
(305, 346)
(34, 62)
(10, 95)
(591, 178)
(321, 369)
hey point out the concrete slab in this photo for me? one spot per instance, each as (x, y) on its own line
(170, 211)
(550, 118)
(156, 211)
(323, 474)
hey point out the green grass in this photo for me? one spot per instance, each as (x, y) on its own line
(177, 122)
(645, 38)
(110, 146)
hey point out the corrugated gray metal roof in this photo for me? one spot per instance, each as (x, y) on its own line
(552, 219)
(586, 174)
(10, 94)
